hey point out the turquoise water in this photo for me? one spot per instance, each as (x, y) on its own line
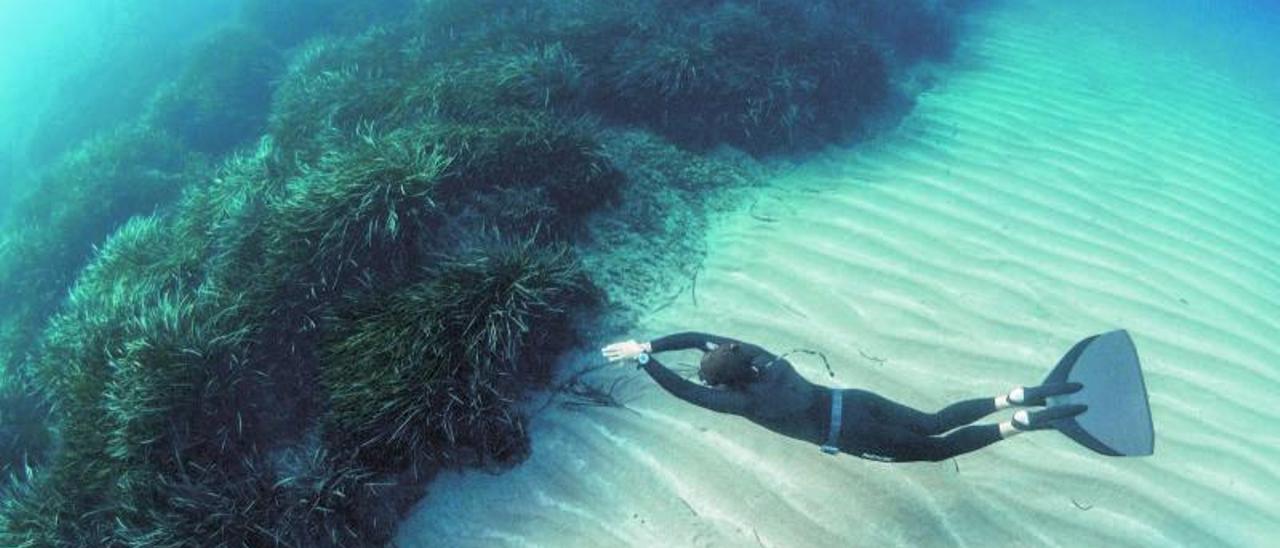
(69, 69)
(1070, 168)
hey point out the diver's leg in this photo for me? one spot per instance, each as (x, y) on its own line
(894, 444)
(965, 412)
(957, 414)
(891, 413)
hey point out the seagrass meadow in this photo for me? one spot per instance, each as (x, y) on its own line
(310, 253)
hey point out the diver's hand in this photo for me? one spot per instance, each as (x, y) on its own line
(623, 350)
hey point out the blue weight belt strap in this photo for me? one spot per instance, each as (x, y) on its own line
(833, 433)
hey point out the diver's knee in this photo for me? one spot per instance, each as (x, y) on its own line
(933, 425)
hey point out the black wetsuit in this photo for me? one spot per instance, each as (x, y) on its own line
(873, 427)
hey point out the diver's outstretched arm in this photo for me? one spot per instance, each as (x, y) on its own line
(689, 339)
(676, 341)
(679, 341)
(702, 341)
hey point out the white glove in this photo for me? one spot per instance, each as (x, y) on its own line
(623, 350)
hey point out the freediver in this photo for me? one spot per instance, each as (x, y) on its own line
(746, 380)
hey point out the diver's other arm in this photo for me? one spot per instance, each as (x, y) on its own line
(690, 339)
(723, 401)
(716, 400)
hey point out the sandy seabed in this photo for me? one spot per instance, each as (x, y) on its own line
(1064, 179)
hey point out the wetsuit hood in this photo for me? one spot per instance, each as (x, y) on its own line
(729, 365)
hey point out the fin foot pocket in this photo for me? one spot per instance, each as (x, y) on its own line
(1045, 418)
(1036, 395)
